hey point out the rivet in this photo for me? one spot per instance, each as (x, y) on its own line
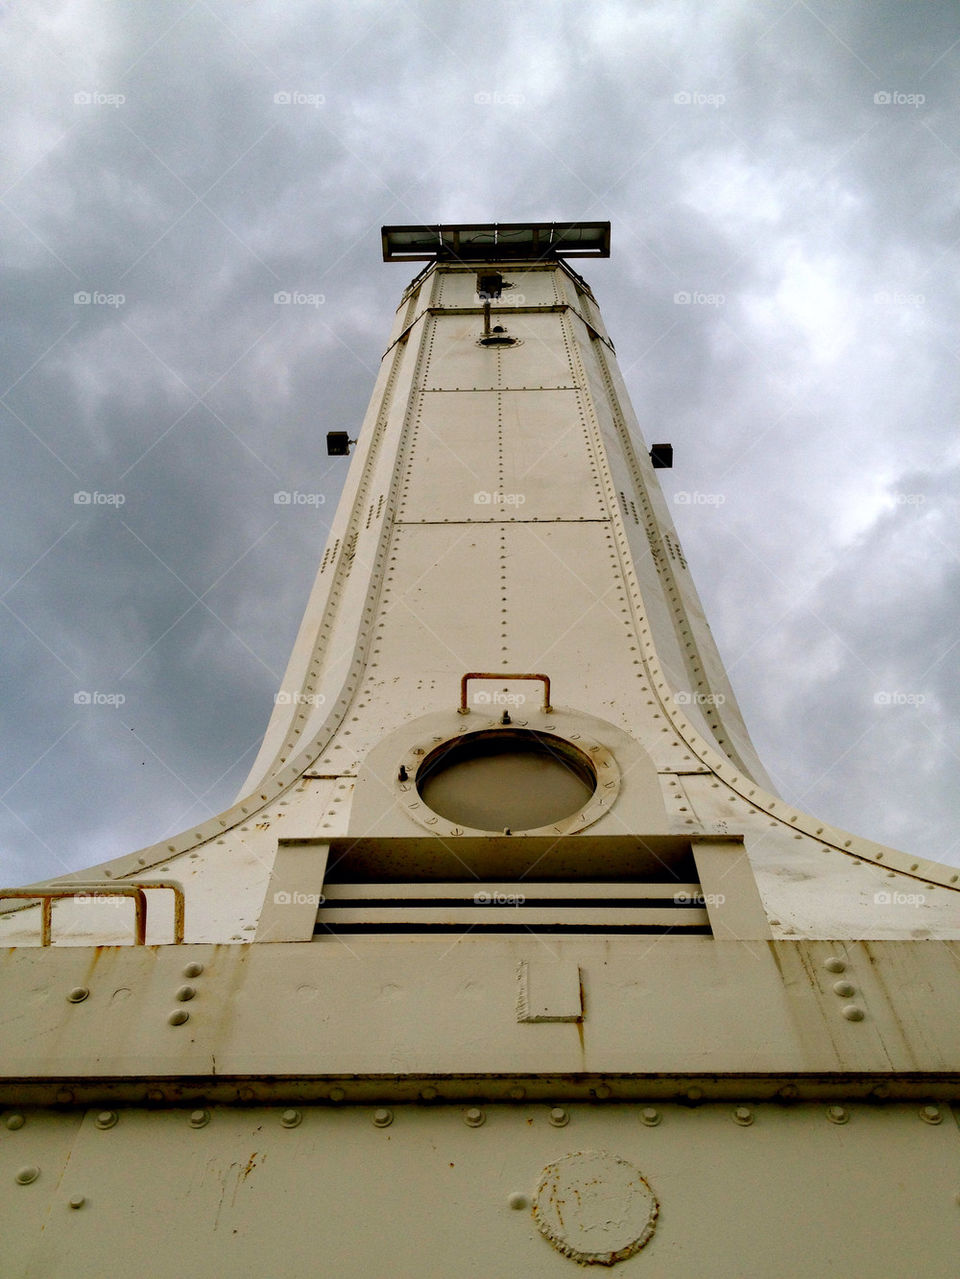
(837, 1115)
(291, 1119)
(199, 1118)
(246, 1093)
(383, 1118)
(650, 1116)
(853, 1012)
(107, 1119)
(880, 1091)
(931, 1115)
(155, 1094)
(78, 994)
(26, 1175)
(518, 1201)
(843, 988)
(834, 965)
(193, 970)
(602, 1091)
(788, 1091)
(473, 1117)
(185, 993)
(65, 1096)
(178, 1017)
(14, 1122)
(518, 1093)
(694, 1093)
(559, 1117)
(428, 1093)
(77, 1201)
(337, 1094)
(743, 1115)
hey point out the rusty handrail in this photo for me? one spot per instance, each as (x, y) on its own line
(465, 709)
(102, 888)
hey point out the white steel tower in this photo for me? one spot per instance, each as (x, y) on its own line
(542, 970)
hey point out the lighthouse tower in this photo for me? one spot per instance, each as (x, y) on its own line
(508, 957)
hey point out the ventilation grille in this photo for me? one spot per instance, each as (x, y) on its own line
(526, 907)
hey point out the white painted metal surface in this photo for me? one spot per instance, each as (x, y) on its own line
(687, 982)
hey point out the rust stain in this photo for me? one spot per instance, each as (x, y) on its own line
(251, 1164)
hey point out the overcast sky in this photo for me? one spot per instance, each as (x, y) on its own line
(792, 168)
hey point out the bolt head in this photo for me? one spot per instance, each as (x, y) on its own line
(473, 1117)
(559, 1117)
(13, 1122)
(931, 1114)
(78, 994)
(383, 1118)
(428, 1093)
(838, 1114)
(743, 1115)
(77, 1201)
(27, 1175)
(651, 1116)
(291, 1118)
(199, 1118)
(602, 1091)
(337, 1094)
(107, 1119)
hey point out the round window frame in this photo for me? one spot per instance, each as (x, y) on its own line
(598, 759)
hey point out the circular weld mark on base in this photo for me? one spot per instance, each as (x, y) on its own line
(595, 1208)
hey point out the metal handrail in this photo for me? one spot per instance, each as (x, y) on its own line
(102, 888)
(465, 709)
